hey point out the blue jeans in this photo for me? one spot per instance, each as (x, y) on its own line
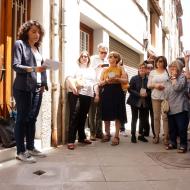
(28, 106)
(178, 124)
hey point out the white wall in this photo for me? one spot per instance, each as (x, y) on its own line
(117, 18)
(72, 35)
(40, 10)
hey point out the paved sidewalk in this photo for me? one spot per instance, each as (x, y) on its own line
(100, 166)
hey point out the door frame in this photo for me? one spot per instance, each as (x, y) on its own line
(5, 56)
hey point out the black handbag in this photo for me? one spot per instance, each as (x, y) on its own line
(7, 132)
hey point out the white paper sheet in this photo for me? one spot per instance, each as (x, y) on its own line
(51, 64)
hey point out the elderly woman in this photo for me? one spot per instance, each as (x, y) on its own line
(113, 107)
(178, 103)
(80, 96)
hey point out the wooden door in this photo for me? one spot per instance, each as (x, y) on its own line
(5, 55)
(13, 13)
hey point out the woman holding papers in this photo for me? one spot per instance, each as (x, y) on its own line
(81, 91)
(28, 87)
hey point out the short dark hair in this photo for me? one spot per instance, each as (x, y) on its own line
(24, 28)
(164, 61)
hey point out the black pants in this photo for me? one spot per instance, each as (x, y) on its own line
(79, 107)
(178, 124)
(28, 106)
(142, 114)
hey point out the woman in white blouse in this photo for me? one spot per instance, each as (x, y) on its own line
(157, 81)
(80, 96)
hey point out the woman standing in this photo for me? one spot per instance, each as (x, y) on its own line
(156, 81)
(178, 103)
(80, 96)
(113, 107)
(28, 87)
(139, 100)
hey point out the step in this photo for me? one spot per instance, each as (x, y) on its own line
(7, 154)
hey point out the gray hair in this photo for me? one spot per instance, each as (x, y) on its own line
(102, 45)
(178, 64)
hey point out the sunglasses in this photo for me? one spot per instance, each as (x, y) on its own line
(160, 61)
(111, 56)
(103, 52)
(84, 56)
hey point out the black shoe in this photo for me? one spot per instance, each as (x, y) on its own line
(133, 139)
(142, 138)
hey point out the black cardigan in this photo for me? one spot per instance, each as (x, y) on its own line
(134, 90)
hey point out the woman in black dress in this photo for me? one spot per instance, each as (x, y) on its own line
(113, 106)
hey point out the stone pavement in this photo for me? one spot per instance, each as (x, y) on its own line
(100, 166)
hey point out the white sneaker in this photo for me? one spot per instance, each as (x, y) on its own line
(36, 152)
(123, 133)
(26, 157)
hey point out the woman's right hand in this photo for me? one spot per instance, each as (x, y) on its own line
(159, 86)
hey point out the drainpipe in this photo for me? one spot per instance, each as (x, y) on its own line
(54, 54)
(63, 41)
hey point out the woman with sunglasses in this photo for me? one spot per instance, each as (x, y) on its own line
(80, 96)
(156, 82)
(113, 107)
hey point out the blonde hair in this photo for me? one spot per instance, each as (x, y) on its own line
(116, 55)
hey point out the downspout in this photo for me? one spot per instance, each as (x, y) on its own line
(62, 73)
(54, 74)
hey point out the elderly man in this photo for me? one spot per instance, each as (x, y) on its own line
(98, 62)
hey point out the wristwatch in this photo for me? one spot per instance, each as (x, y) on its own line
(33, 69)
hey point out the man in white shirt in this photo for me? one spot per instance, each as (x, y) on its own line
(98, 62)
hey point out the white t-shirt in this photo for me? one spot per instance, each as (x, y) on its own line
(96, 63)
(38, 58)
(88, 75)
(155, 77)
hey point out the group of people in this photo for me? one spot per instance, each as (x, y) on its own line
(156, 82)
(97, 93)
(95, 90)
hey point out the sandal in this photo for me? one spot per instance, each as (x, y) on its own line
(170, 147)
(71, 146)
(156, 140)
(115, 141)
(182, 150)
(106, 138)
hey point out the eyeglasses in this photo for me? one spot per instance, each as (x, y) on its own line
(160, 61)
(84, 56)
(103, 52)
(111, 56)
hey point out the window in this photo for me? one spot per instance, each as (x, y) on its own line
(86, 38)
(20, 14)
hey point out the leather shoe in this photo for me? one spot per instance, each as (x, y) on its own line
(142, 138)
(85, 141)
(133, 139)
